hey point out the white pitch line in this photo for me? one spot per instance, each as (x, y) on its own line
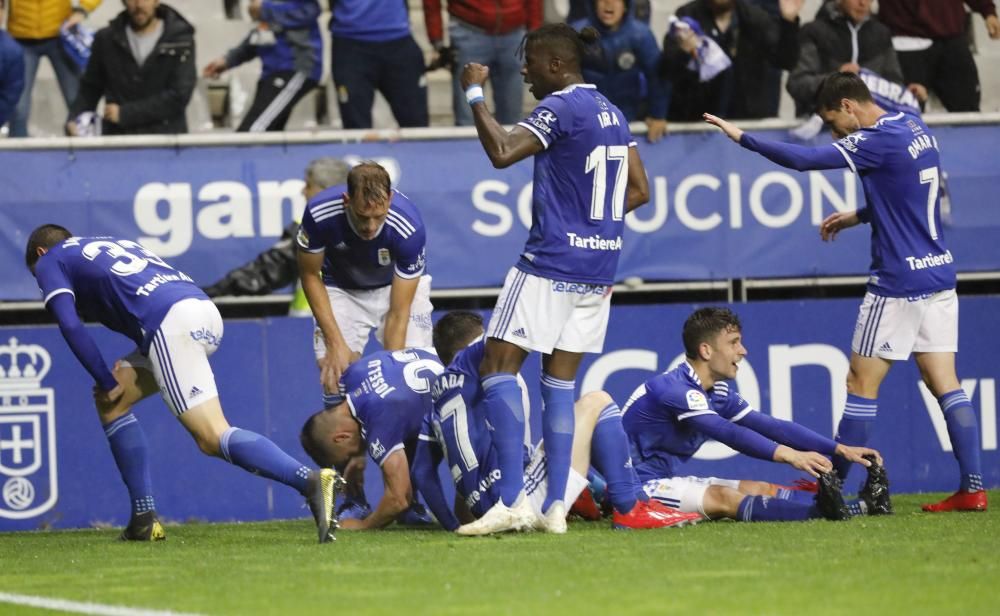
(79, 607)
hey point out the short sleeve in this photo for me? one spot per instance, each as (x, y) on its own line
(384, 437)
(728, 403)
(427, 429)
(410, 257)
(550, 120)
(308, 238)
(863, 150)
(51, 278)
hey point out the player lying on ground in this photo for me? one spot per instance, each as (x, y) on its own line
(456, 431)
(176, 328)
(910, 305)
(388, 394)
(672, 414)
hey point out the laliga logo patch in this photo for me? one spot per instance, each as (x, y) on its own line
(377, 449)
(851, 141)
(546, 116)
(384, 258)
(28, 485)
(302, 238)
(697, 401)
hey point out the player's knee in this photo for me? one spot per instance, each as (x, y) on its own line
(208, 445)
(756, 488)
(721, 502)
(591, 404)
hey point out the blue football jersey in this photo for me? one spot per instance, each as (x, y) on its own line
(389, 395)
(116, 282)
(898, 162)
(461, 431)
(580, 182)
(654, 418)
(354, 263)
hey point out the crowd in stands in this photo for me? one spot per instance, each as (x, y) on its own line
(725, 57)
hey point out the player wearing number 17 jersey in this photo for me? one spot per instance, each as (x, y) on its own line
(556, 299)
(911, 305)
(176, 328)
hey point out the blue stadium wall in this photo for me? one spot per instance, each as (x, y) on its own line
(56, 469)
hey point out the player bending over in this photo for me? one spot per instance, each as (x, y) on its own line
(176, 328)
(388, 394)
(672, 414)
(910, 305)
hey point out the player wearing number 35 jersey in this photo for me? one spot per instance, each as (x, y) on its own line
(556, 299)
(176, 328)
(910, 306)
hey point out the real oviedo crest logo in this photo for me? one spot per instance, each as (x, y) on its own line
(28, 485)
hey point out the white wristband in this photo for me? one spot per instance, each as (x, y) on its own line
(474, 94)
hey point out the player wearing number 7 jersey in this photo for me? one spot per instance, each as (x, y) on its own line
(556, 299)
(175, 327)
(911, 305)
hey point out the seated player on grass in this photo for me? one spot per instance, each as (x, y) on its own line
(672, 414)
(388, 396)
(456, 431)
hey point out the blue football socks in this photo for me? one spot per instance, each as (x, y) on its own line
(505, 414)
(258, 455)
(963, 429)
(855, 428)
(131, 453)
(610, 454)
(557, 431)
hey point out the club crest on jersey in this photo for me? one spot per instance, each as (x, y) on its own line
(850, 142)
(384, 258)
(27, 433)
(697, 401)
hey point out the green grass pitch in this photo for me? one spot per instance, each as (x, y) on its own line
(909, 563)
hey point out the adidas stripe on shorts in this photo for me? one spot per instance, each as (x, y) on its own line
(893, 327)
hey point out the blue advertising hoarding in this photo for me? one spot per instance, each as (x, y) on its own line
(717, 211)
(56, 469)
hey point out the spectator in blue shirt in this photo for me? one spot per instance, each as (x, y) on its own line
(11, 71)
(288, 42)
(627, 70)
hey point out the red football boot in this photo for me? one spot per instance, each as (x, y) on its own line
(585, 506)
(960, 501)
(652, 514)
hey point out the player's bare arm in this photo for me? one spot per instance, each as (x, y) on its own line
(637, 191)
(396, 498)
(731, 130)
(503, 147)
(837, 222)
(338, 355)
(807, 461)
(401, 295)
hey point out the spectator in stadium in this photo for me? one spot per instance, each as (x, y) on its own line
(388, 394)
(175, 328)
(35, 24)
(932, 42)
(455, 431)
(488, 32)
(627, 69)
(580, 9)
(844, 37)
(910, 306)
(277, 267)
(11, 71)
(287, 41)
(752, 39)
(142, 64)
(672, 414)
(373, 50)
(361, 257)
(771, 85)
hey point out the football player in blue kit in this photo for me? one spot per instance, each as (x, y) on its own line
(910, 305)
(388, 394)
(176, 328)
(455, 431)
(671, 415)
(556, 299)
(361, 254)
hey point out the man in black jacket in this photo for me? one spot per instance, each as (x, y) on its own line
(142, 64)
(844, 37)
(751, 38)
